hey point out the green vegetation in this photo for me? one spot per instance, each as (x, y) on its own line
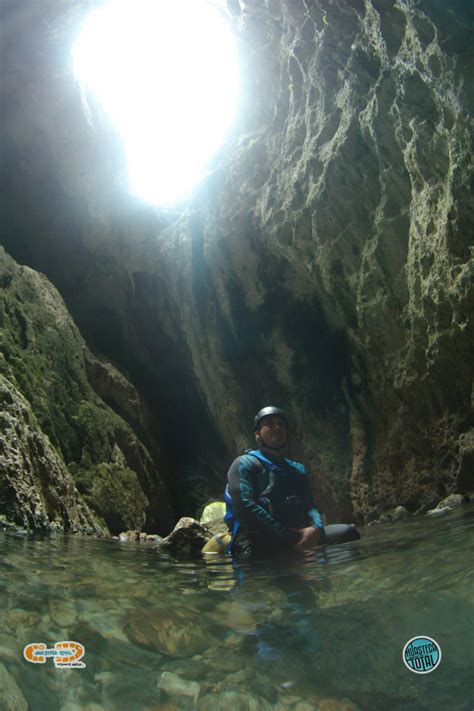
(42, 353)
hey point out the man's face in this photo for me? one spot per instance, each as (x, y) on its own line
(273, 431)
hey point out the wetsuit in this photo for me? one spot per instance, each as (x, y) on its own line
(269, 497)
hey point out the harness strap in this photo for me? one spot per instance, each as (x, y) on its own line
(230, 514)
(231, 518)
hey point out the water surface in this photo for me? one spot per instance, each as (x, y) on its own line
(320, 631)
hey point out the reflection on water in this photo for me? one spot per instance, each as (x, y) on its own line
(320, 631)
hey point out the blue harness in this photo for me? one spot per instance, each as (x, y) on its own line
(230, 518)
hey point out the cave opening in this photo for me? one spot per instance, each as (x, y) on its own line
(167, 78)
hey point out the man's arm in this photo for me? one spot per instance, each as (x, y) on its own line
(313, 534)
(311, 510)
(247, 509)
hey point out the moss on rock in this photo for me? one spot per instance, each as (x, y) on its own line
(55, 427)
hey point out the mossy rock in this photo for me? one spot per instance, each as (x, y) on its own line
(213, 511)
(115, 493)
(43, 361)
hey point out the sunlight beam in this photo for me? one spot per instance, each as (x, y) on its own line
(167, 75)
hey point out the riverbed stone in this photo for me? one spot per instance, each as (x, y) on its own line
(131, 655)
(167, 631)
(63, 613)
(176, 686)
(22, 618)
(11, 698)
(232, 699)
(331, 704)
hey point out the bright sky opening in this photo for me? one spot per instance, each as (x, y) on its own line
(167, 75)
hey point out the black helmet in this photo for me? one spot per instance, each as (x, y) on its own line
(264, 412)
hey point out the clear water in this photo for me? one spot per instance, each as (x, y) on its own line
(323, 631)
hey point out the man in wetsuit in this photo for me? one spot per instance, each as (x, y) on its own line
(270, 505)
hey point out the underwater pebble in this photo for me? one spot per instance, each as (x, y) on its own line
(336, 705)
(232, 700)
(234, 616)
(22, 618)
(191, 669)
(231, 680)
(8, 654)
(175, 685)
(127, 653)
(168, 631)
(107, 624)
(63, 613)
(303, 706)
(104, 677)
(289, 699)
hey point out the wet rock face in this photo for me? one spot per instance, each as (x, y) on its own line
(324, 265)
(67, 461)
(36, 489)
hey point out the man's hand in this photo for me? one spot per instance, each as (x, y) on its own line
(310, 538)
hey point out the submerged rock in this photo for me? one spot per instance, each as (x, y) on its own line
(191, 669)
(12, 698)
(22, 618)
(176, 686)
(63, 613)
(232, 699)
(330, 704)
(172, 632)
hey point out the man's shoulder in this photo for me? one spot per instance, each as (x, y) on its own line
(300, 468)
(247, 459)
(246, 462)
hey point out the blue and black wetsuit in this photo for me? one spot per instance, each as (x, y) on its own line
(268, 498)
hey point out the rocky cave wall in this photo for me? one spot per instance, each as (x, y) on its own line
(68, 461)
(325, 264)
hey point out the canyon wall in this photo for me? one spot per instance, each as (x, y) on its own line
(325, 264)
